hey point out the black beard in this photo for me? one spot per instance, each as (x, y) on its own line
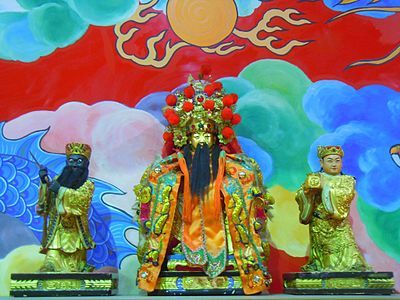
(73, 178)
(201, 174)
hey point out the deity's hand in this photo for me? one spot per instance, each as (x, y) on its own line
(54, 186)
(43, 174)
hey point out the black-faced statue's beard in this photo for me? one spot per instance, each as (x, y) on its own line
(202, 167)
(73, 177)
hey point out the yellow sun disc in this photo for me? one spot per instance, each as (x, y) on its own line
(202, 22)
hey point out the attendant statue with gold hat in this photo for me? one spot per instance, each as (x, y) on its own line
(324, 200)
(202, 208)
(64, 203)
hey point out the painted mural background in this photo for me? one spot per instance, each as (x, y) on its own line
(307, 73)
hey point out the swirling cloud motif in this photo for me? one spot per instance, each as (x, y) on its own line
(206, 24)
(274, 117)
(40, 27)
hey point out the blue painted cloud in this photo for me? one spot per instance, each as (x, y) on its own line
(364, 122)
(39, 27)
(335, 5)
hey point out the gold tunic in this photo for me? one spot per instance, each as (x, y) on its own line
(324, 201)
(68, 235)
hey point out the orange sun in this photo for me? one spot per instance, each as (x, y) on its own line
(202, 22)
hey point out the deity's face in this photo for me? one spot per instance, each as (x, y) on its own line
(77, 161)
(331, 164)
(201, 138)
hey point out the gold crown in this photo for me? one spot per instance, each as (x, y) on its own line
(329, 150)
(201, 106)
(78, 148)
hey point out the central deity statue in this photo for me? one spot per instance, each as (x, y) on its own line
(204, 200)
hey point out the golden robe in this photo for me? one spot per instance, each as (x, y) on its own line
(67, 236)
(326, 210)
(167, 209)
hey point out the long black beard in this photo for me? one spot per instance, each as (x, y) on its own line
(201, 172)
(73, 178)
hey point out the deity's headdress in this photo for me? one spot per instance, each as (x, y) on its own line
(78, 148)
(202, 105)
(329, 150)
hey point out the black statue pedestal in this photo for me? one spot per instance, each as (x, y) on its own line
(339, 283)
(177, 279)
(63, 284)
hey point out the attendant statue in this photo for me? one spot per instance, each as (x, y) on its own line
(64, 203)
(205, 199)
(324, 200)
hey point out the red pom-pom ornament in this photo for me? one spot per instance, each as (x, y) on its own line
(235, 98)
(227, 132)
(209, 105)
(168, 136)
(226, 114)
(209, 89)
(171, 100)
(188, 106)
(227, 100)
(189, 92)
(236, 118)
(171, 117)
(217, 86)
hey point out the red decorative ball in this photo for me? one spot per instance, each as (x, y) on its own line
(171, 100)
(168, 136)
(227, 132)
(209, 104)
(217, 86)
(227, 100)
(171, 117)
(236, 118)
(200, 99)
(226, 114)
(168, 112)
(188, 106)
(209, 89)
(235, 98)
(189, 92)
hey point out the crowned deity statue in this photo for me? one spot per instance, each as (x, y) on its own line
(324, 200)
(205, 199)
(64, 204)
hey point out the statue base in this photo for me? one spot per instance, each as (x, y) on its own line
(177, 278)
(63, 284)
(339, 283)
(178, 283)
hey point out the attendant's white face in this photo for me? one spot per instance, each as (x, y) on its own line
(331, 164)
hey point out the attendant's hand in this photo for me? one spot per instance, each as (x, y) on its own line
(43, 174)
(54, 186)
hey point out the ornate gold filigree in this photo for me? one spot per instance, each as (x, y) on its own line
(198, 282)
(61, 284)
(23, 284)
